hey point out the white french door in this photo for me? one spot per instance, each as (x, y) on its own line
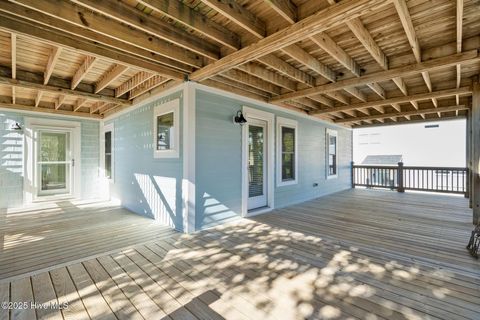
(257, 163)
(54, 162)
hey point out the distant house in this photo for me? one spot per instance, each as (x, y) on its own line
(383, 159)
(382, 177)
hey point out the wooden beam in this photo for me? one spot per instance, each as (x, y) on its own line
(330, 17)
(476, 151)
(434, 64)
(406, 20)
(459, 25)
(79, 103)
(377, 89)
(80, 45)
(287, 70)
(82, 17)
(245, 78)
(133, 82)
(226, 87)
(401, 85)
(285, 8)
(323, 100)
(38, 98)
(186, 16)
(404, 113)
(339, 97)
(327, 44)
(110, 76)
(366, 39)
(59, 102)
(238, 14)
(356, 93)
(147, 86)
(310, 61)
(147, 23)
(27, 80)
(397, 107)
(242, 86)
(97, 106)
(402, 99)
(82, 71)
(52, 60)
(46, 110)
(13, 54)
(269, 76)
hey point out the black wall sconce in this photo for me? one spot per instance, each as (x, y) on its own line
(239, 118)
(16, 126)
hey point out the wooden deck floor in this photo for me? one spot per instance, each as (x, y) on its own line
(358, 254)
(51, 234)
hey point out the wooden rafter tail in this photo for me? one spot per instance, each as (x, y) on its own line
(60, 101)
(79, 104)
(52, 60)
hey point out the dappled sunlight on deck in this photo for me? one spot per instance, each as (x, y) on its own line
(282, 265)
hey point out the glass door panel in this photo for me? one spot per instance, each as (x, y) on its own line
(54, 162)
(257, 165)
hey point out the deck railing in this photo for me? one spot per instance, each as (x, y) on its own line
(401, 178)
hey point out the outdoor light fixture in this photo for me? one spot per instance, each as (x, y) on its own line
(16, 126)
(239, 118)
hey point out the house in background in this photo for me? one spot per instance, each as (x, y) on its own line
(382, 177)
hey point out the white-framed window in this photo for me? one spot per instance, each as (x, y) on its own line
(108, 151)
(166, 130)
(331, 153)
(287, 151)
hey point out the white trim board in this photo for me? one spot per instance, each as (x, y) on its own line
(172, 106)
(189, 139)
(30, 180)
(268, 117)
(246, 100)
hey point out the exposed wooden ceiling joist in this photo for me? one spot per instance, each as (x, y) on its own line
(404, 113)
(401, 99)
(321, 21)
(86, 47)
(434, 64)
(28, 80)
(82, 71)
(134, 82)
(110, 76)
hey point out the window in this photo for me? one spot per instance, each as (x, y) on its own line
(331, 138)
(108, 154)
(166, 130)
(108, 151)
(287, 155)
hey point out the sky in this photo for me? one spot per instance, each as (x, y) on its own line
(438, 146)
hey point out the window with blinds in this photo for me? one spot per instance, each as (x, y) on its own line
(331, 137)
(108, 154)
(288, 153)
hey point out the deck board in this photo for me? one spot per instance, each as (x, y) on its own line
(50, 235)
(351, 255)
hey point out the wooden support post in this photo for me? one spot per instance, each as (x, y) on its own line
(476, 150)
(353, 174)
(400, 188)
(468, 146)
(470, 160)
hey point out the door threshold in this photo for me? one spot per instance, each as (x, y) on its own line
(53, 198)
(256, 211)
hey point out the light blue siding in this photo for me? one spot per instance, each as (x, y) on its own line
(145, 185)
(218, 160)
(12, 160)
